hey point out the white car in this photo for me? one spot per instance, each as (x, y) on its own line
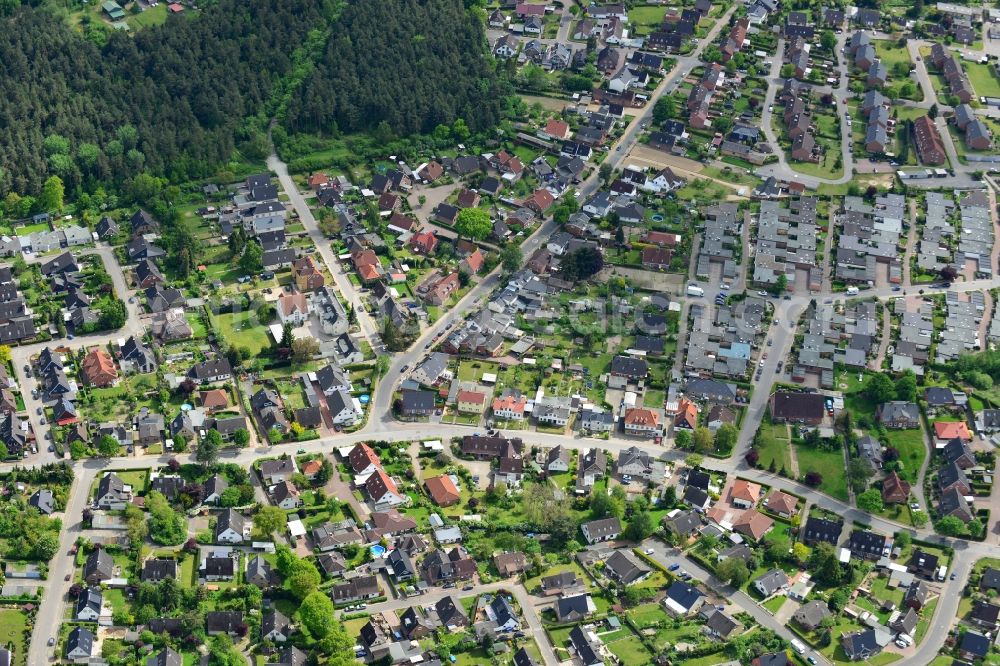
(762, 293)
(761, 364)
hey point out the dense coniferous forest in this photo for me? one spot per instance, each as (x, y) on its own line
(172, 100)
(410, 64)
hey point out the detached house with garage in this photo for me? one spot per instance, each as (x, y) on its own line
(605, 529)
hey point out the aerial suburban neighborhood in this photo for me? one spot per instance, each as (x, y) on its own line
(574, 333)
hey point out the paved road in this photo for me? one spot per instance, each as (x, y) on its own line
(381, 419)
(322, 243)
(782, 169)
(21, 355)
(53, 602)
(785, 317)
(668, 557)
(533, 623)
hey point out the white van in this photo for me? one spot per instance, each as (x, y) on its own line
(798, 646)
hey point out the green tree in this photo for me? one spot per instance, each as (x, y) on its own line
(241, 437)
(230, 497)
(725, 438)
(951, 526)
(207, 452)
(603, 505)
(51, 198)
(316, 612)
(474, 223)
(270, 520)
(734, 571)
(511, 258)
(304, 349)
(166, 526)
(779, 286)
(880, 388)
(828, 40)
(858, 474)
(664, 109)
(287, 336)
(303, 578)
(825, 565)
(871, 501)
(702, 440)
(114, 314)
(906, 387)
(640, 527)
(581, 263)
(223, 653)
(682, 438)
(107, 446)
(252, 260)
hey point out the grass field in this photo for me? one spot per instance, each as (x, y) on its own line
(152, 16)
(983, 81)
(830, 464)
(12, 623)
(890, 54)
(912, 451)
(774, 446)
(646, 19)
(826, 168)
(243, 330)
(630, 650)
(774, 604)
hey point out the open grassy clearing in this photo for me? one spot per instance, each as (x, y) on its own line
(829, 464)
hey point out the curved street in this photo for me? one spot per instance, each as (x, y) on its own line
(381, 424)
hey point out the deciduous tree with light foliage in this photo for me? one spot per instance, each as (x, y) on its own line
(316, 611)
(474, 223)
(270, 520)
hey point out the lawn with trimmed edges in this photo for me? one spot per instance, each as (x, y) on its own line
(774, 446)
(912, 451)
(829, 464)
(12, 624)
(983, 80)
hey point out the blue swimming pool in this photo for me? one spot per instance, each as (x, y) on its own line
(657, 218)
(378, 551)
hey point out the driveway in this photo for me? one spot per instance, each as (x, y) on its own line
(666, 556)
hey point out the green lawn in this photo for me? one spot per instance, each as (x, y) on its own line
(152, 16)
(12, 624)
(983, 81)
(242, 329)
(116, 600)
(197, 327)
(646, 19)
(926, 615)
(774, 446)
(774, 604)
(187, 572)
(649, 615)
(830, 464)
(890, 54)
(880, 590)
(912, 451)
(630, 650)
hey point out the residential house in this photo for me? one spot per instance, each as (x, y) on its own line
(604, 529)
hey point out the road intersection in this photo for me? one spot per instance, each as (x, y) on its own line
(381, 424)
